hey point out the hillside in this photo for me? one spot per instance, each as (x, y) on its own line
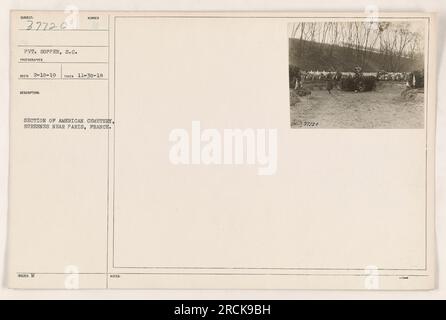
(310, 55)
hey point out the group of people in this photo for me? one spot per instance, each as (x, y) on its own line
(333, 77)
(380, 75)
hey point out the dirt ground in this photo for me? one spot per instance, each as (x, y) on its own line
(385, 107)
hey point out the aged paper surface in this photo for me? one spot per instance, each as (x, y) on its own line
(222, 150)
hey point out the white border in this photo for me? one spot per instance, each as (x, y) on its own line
(438, 6)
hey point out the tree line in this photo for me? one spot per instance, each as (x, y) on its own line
(395, 42)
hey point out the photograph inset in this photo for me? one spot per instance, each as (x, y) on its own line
(361, 74)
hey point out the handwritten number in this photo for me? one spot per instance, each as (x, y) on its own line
(30, 25)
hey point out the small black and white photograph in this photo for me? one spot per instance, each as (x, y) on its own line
(357, 74)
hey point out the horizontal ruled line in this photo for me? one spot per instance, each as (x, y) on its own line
(93, 62)
(54, 30)
(58, 46)
(61, 79)
(228, 274)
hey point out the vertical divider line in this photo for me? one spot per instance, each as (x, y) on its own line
(114, 139)
(108, 150)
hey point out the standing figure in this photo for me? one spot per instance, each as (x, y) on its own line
(337, 79)
(298, 83)
(330, 81)
(357, 77)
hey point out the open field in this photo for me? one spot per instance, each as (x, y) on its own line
(384, 107)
